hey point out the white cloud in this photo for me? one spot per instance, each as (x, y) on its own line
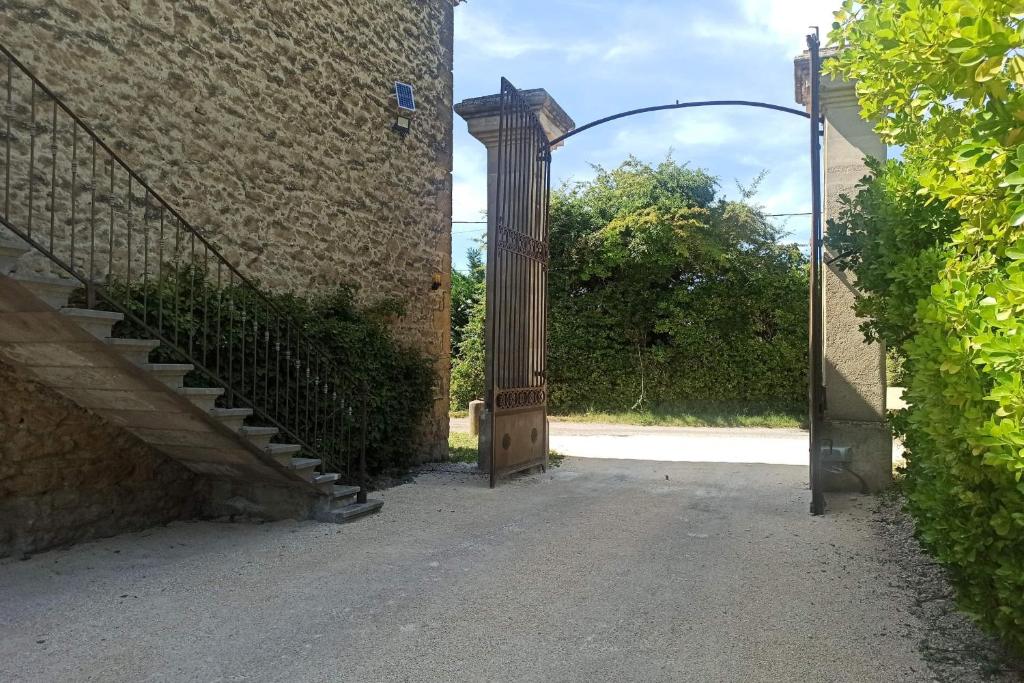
(787, 22)
(469, 184)
(489, 35)
(485, 34)
(630, 46)
(680, 130)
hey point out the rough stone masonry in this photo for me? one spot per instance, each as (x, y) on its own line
(269, 126)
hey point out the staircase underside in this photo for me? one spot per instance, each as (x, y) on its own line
(57, 352)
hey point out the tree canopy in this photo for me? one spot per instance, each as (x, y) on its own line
(662, 293)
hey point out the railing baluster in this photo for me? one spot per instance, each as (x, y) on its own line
(128, 228)
(145, 257)
(160, 277)
(74, 189)
(266, 360)
(192, 295)
(363, 481)
(230, 337)
(255, 350)
(241, 345)
(220, 312)
(93, 184)
(287, 374)
(316, 401)
(205, 355)
(53, 174)
(32, 158)
(177, 282)
(8, 115)
(110, 246)
(277, 365)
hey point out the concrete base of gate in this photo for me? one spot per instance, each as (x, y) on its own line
(871, 469)
(483, 455)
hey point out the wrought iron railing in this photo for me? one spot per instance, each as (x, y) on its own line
(90, 216)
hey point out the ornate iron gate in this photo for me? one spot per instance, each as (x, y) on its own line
(516, 432)
(514, 436)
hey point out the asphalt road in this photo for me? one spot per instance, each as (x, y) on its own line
(599, 570)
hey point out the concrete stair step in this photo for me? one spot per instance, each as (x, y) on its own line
(204, 398)
(171, 374)
(259, 436)
(355, 511)
(232, 418)
(55, 291)
(343, 496)
(325, 482)
(96, 323)
(284, 453)
(135, 350)
(305, 467)
(12, 248)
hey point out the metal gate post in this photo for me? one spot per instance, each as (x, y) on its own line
(816, 390)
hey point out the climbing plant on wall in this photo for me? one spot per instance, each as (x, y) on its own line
(945, 80)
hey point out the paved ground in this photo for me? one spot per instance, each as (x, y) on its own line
(597, 570)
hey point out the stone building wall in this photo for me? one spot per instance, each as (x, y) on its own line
(269, 126)
(86, 479)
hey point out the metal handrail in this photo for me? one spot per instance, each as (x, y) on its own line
(316, 433)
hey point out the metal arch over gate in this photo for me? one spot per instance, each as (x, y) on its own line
(517, 292)
(515, 435)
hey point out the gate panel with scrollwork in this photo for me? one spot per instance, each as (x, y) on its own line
(517, 273)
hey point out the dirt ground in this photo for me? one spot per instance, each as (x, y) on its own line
(596, 570)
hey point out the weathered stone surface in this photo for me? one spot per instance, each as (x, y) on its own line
(67, 476)
(268, 126)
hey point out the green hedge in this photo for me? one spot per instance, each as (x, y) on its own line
(663, 294)
(943, 260)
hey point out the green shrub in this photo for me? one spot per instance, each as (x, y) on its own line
(945, 80)
(230, 327)
(468, 365)
(662, 295)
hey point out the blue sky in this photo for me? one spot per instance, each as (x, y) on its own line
(600, 57)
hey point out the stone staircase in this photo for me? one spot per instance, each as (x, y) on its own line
(113, 376)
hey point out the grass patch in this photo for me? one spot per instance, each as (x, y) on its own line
(699, 415)
(463, 448)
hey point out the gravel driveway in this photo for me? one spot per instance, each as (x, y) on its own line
(598, 570)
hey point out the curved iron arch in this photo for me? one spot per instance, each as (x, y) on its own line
(679, 105)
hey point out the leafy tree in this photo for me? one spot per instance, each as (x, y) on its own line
(468, 289)
(661, 293)
(945, 79)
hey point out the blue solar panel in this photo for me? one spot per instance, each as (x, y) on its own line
(403, 91)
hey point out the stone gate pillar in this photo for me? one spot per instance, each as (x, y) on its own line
(854, 370)
(483, 116)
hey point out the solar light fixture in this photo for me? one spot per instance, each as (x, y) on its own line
(405, 108)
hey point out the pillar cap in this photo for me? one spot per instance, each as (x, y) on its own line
(832, 90)
(483, 113)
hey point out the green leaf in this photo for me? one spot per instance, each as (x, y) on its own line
(959, 45)
(989, 69)
(1015, 66)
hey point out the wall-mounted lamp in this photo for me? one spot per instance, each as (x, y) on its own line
(405, 108)
(436, 282)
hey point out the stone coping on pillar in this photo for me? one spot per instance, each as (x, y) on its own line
(802, 73)
(482, 114)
